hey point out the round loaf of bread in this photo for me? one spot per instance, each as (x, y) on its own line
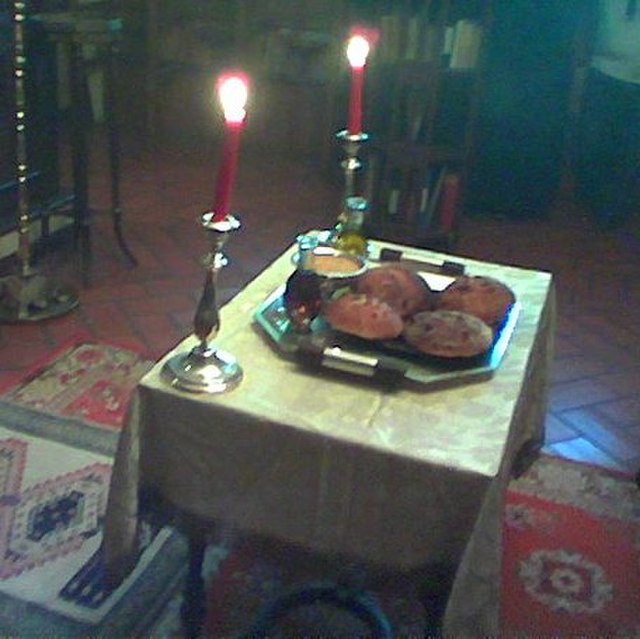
(364, 316)
(402, 289)
(484, 297)
(448, 334)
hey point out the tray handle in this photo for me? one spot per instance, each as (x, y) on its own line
(385, 371)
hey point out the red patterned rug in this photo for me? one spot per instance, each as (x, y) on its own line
(571, 531)
(87, 380)
(572, 553)
(571, 568)
(59, 429)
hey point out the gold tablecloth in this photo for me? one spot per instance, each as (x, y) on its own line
(396, 477)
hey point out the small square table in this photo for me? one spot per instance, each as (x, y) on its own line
(394, 477)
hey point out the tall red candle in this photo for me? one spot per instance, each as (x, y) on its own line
(354, 126)
(357, 52)
(233, 93)
(227, 170)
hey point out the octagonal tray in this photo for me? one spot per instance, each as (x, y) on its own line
(389, 361)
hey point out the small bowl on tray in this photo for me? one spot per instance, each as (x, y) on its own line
(321, 270)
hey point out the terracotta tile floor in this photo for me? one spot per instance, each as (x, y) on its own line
(594, 412)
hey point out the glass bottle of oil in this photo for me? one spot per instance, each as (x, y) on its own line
(350, 236)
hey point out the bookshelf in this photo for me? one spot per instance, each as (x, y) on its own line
(425, 80)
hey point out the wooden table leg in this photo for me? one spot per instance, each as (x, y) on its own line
(524, 458)
(435, 589)
(80, 160)
(113, 129)
(194, 604)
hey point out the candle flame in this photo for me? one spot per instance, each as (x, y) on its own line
(233, 92)
(357, 51)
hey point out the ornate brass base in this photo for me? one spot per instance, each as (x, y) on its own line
(203, 370)
(32, 298)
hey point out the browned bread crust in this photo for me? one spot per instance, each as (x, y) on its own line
(402, 289)
(364, 316)
(448, 334)
(485, 297)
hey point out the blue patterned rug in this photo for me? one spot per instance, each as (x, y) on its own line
(54, 480)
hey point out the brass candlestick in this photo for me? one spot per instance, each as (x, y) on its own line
(206, 369)
(351, 143)
(27, 296)
(347, 233)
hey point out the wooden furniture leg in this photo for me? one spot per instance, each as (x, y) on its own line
(194, 604)
(80, 161)
(113, 129)
(435, 590)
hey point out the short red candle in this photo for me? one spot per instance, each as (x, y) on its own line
(233, 96)
(357, 52)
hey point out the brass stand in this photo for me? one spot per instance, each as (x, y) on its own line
(351, 143)
(347, 233)
(27, 296)
(31, 297)
(206, 369)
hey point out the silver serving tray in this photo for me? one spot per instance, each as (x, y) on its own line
(387, 361)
